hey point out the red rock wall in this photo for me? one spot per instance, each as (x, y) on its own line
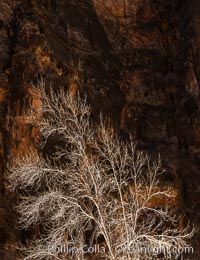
(64, 44)
(160, 82)
(138, 62)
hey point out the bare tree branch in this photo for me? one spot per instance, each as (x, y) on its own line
(104, 186)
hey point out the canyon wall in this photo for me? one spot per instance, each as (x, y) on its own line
(138, 63)
(157, 43)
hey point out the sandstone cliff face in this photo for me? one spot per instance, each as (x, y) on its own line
(138, 62)
(63, 43)
(159, 52)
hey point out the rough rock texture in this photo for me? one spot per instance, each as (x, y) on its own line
(63, 43)
(160, 81)
(138, 62)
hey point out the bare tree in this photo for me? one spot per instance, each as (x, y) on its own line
(93, 189)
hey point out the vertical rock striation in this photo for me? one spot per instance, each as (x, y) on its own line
(160, 81)
(138, 62)
(63, 43)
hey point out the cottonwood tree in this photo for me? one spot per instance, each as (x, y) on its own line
(92, 189)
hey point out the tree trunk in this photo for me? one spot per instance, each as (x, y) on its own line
(137, 61)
